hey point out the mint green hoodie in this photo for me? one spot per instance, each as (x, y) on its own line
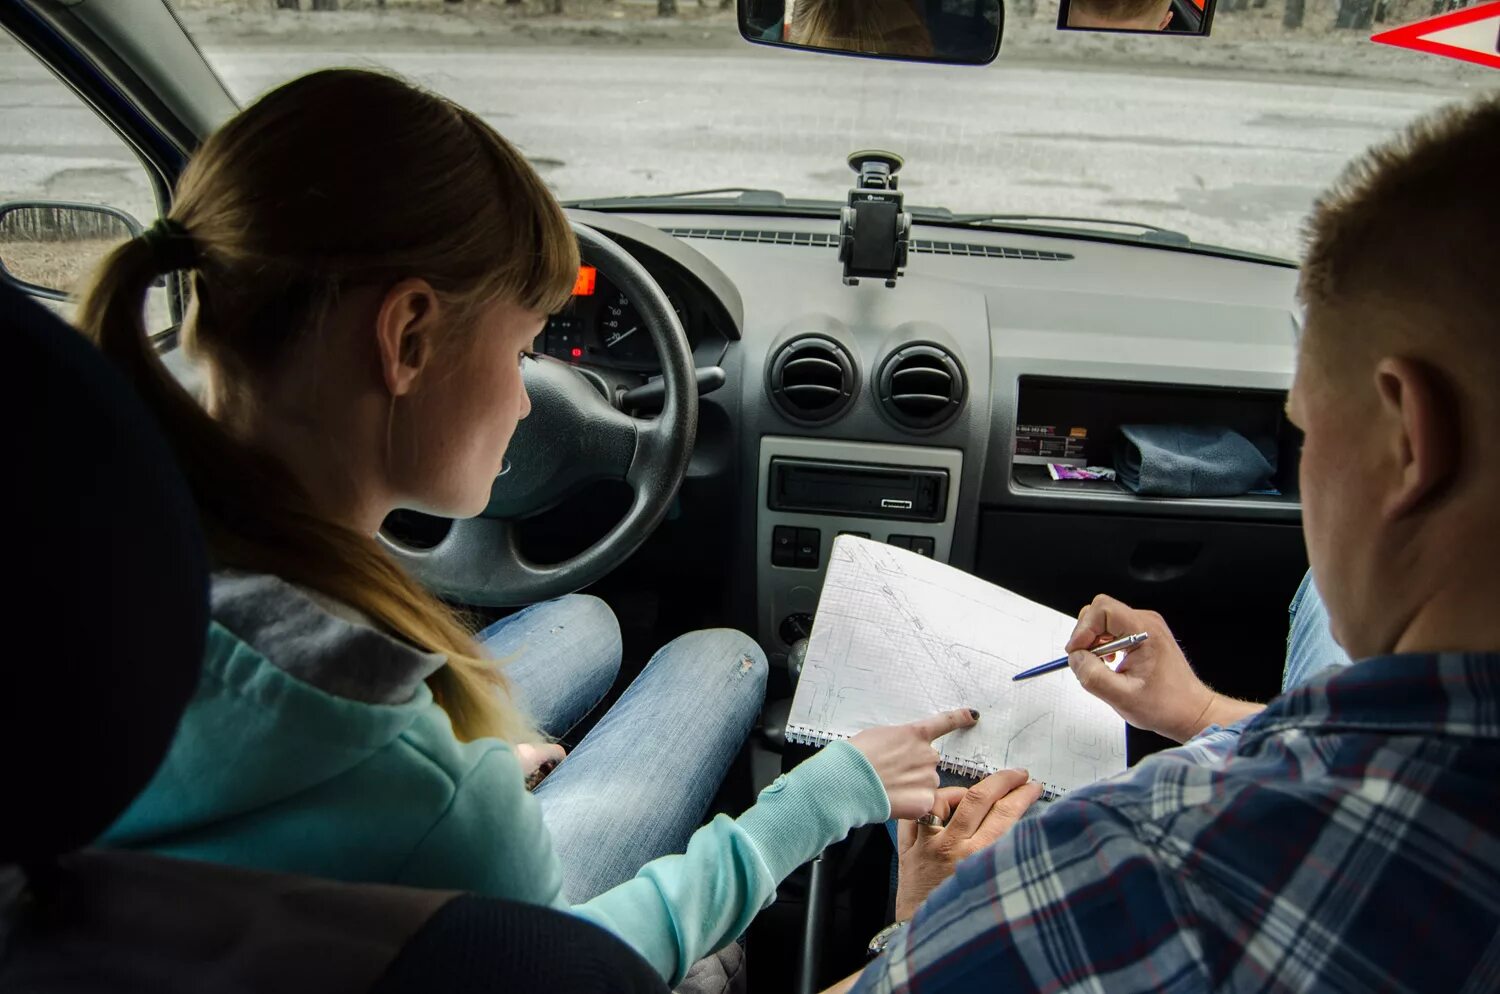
(314, 746)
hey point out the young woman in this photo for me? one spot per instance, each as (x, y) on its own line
(369, 264)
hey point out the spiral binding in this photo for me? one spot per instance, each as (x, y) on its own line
(809, 736)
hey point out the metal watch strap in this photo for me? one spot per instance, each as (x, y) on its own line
(883, 937)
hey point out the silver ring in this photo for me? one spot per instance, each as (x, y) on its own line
(930, 820)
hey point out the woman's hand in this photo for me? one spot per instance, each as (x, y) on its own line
(906, 762)
(973, 819)
(538, 759)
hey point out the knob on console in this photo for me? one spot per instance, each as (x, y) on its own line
(795, 627)
(795, 658)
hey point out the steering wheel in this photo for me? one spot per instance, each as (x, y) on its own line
(572, 437)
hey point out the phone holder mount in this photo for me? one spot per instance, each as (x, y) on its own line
(874, 229)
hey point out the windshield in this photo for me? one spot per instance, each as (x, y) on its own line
(1225, 139)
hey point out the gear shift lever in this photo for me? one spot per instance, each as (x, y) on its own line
(773, 722)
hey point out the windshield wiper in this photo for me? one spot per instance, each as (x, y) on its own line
(1147, 232)
(743, 196)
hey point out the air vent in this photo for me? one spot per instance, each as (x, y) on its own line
(921, 387)
(812, 379)
(920, 246)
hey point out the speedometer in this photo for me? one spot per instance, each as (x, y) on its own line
(622, 334)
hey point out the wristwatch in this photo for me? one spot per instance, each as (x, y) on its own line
(883, 937)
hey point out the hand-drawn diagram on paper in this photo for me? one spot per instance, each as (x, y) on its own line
(898, 637)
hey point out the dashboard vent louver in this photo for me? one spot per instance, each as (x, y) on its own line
(921, 387)
(927, 247)
(812, 239)
(921, 246)
(812, 379)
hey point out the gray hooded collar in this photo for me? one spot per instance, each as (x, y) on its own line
(318, 640)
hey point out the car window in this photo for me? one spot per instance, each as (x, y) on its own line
(1225, 139)
(54, 148)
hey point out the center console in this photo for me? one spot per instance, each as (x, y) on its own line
(812, 490)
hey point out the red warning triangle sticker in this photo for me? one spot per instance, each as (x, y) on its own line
(1472, 35)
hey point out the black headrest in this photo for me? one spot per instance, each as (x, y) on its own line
(105, 627)
(475, 945)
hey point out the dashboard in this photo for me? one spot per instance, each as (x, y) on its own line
(988, 334)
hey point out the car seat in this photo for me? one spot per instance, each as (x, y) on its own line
(105, 633)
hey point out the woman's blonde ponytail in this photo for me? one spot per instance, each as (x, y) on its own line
(112, 314)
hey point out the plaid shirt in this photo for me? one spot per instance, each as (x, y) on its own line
(1346, 839)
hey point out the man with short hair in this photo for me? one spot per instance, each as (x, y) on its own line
(1120, 15)
(1346, 837)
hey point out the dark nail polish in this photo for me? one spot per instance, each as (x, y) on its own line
(973, 714)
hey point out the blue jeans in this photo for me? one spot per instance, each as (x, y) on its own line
(639, 783)
(1310, 648)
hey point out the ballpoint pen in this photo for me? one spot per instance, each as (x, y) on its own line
(1128, 642)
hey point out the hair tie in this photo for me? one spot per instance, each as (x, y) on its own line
(171, 245)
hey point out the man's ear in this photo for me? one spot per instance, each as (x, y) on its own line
(1165, 21)
(1420, 417)
(404, 326)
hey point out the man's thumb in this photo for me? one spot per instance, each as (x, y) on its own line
(1095, 675)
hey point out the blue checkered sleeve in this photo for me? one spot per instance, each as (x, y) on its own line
(1075, 900)
(1346, 841)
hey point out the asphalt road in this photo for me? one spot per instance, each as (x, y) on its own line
(1234, 162)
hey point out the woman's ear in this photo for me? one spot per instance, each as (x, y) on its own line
(404, 326)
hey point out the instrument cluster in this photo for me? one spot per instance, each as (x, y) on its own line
(601, 327)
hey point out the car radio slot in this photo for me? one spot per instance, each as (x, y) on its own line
(903, 493)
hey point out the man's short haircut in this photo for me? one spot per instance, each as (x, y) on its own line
(1115, 10)
(1414, 223)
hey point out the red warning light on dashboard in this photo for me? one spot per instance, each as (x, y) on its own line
(577, 353)
(584, 285)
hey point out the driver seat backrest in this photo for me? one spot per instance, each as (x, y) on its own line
(105, 643)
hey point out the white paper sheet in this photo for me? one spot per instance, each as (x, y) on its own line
(898, 636)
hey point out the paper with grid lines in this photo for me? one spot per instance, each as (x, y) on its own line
(898, 636)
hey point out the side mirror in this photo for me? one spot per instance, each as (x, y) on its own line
(954, 32)
(48, 248)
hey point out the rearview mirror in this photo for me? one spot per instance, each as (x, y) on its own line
(48, 248)
(957, 32)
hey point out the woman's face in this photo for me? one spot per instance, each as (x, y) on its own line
(449, 442)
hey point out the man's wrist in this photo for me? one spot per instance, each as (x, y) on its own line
(1219, 710)
(1216, 710)
(1187, 727)
(1224, 711)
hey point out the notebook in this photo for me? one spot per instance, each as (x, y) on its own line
(898, 636)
